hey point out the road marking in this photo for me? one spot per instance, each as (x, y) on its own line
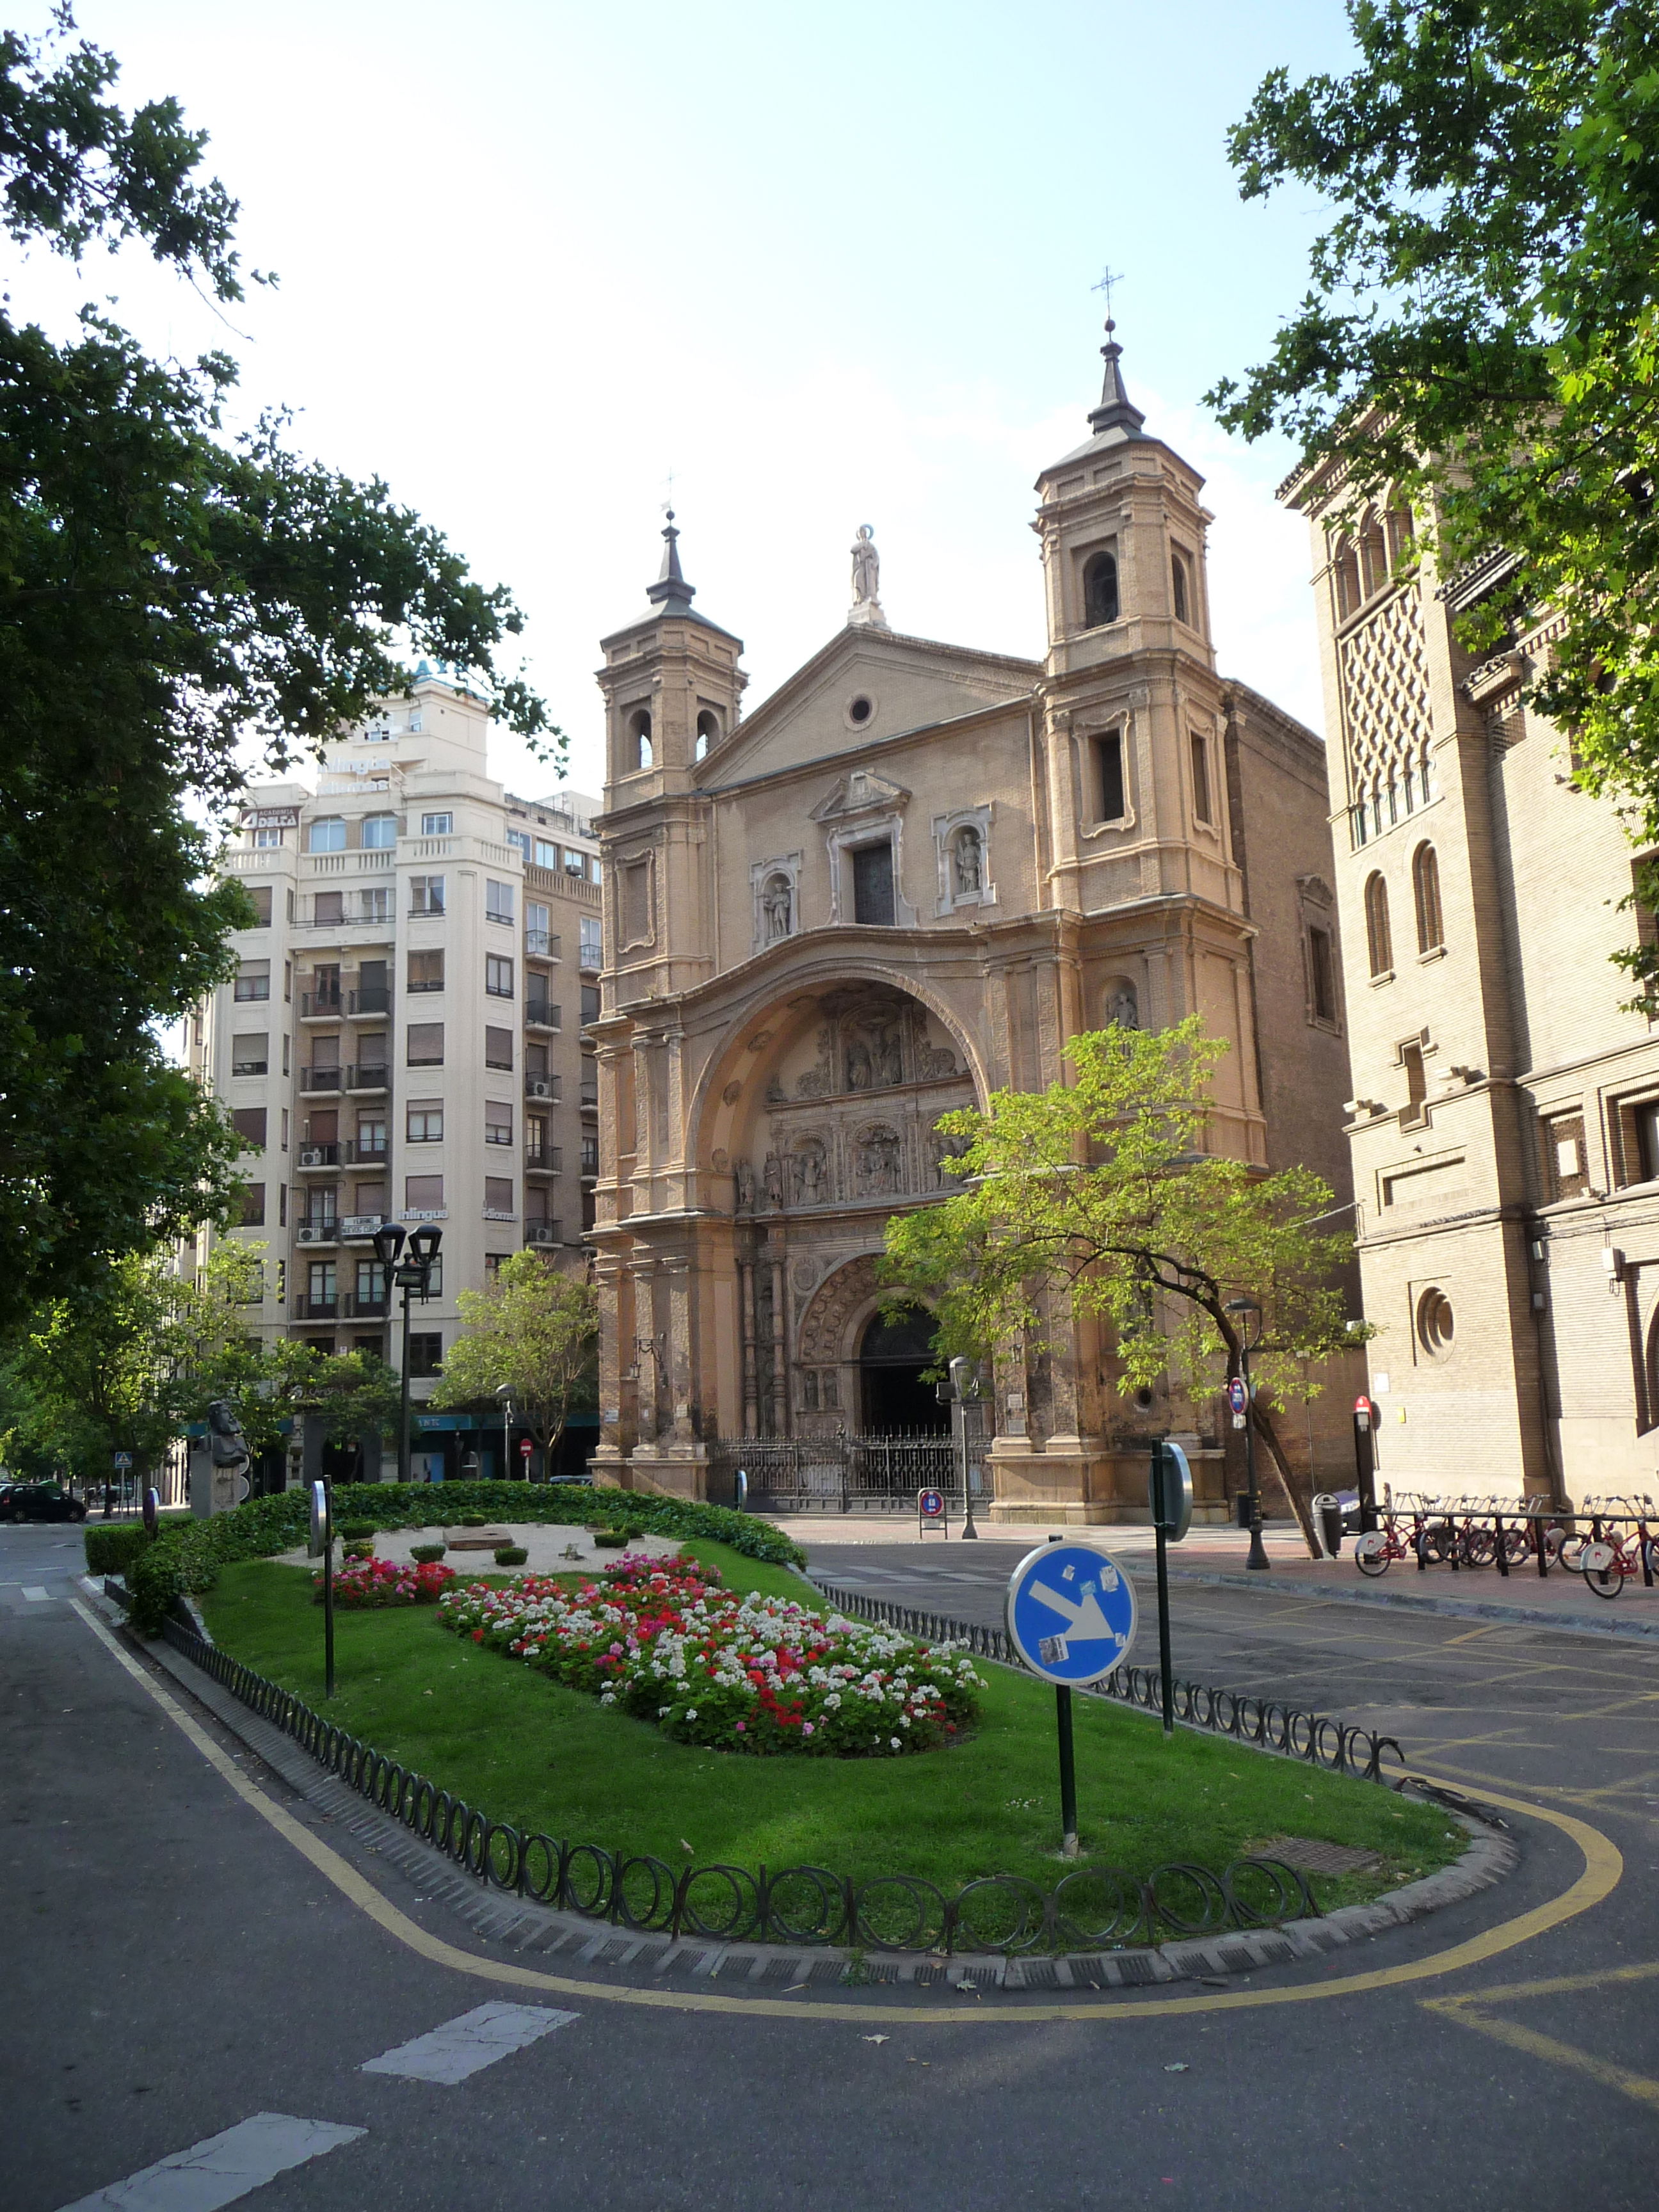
(36, 1594)
(1474, 2011)
(465, 2045)
(221, 2169)
(1603, 1868)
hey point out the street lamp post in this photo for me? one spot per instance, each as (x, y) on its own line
(504, 1392)
(1243, 1309)
(411, 1271)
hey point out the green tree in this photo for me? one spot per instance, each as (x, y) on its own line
(1098, 1196)
(168, 591)
(533, 1330)
(1482, 328)
(97, 1369)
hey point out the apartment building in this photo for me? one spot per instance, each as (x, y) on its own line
(403, 1039)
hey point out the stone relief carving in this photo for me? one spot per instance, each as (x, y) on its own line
(732, 1093)
(1122, 1008)
(970, 864)
(774, 1178)
(881, 1161)
(807, 1175)
(777, 901)
(823, 1324)
(945, 1158)
(745, 1178)
(936, 1061)
(860, 1067)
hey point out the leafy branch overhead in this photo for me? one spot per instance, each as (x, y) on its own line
(1481, 330)
(1101, 1197)
(168, 591)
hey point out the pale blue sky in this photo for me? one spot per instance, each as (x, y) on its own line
(830, 264)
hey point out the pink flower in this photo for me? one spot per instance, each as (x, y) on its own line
(743, 1728)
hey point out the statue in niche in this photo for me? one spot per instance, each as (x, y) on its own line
(890, 1058)
(745, 1179)
(816, 1082)
(860, 1069)
(867, 568)
(945, 1158)
(1122, 1012)
(970, 864)
(774, 1179)
(880, 1162)
(776, 904)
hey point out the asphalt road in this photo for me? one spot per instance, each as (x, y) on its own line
(174, 1966)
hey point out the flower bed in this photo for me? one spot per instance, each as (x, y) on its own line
(663, 1641)
(383, 1582)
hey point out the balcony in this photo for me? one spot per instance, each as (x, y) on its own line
(249, 1067)
(313, 1156)
(540, 945)
(355, 1226)
(366, 1151)
(539, 1086)
(308, 1308)
(319, 1006)
(320, 1079)
(368, 999)
(544, 1159)
(542, 1014)
(590, 1158)
(542, 1232)
(355, 1307)
(368, 1079)
(317, 1233)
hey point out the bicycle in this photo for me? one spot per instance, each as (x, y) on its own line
(1375, 1551)
(1605, 1562)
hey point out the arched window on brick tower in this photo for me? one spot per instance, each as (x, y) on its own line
(639, 735)
(709, 731)
(1378, 938)
(1100, 599)
(1425, 888)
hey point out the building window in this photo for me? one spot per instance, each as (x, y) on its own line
(498, 977)
(536, 918)
(575, 863)
(709, 731)
(520, 840)
(498, 900)
(437, 825)
(1378, 941)
(1426, 889)
(547, 852)
(872, 884)
(498, 1198)
(426, 1044)
(252, 981)
(498, 1122)
(424, 1122)
(1565, 1173)
(423, 1193)
(1412, 1114)
(249, 1123)
(590, 1004)
(1100, 600)
(1200, 752)
(1436, 1324)
(260, 897)
(328, 910)
(590, 1155)
(426, 971)
(1636, 1128)
(592, 941)
(425, 1354)
(1109, 776)
(498, 1048)
(1321, 975)
(254, 1206)
(327, 834)
(250, 1054)
(265, 841)
(1180, 589)
(426, 894)
(639, 738)
(380, 831)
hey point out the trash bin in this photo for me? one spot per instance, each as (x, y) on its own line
(1327, 1520)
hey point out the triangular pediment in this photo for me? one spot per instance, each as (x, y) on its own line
(862, 792)
(905, 684)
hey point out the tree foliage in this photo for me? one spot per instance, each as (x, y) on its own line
(168, 589)
(1098, 1197)
(1482, 328)
(533, 1330)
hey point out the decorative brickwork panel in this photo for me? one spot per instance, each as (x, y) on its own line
(1385, 697)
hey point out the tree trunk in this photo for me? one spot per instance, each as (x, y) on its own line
(1301, 1505)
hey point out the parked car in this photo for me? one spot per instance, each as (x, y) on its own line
(40, 1501)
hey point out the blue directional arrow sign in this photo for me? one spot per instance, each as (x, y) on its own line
(1070, 1612)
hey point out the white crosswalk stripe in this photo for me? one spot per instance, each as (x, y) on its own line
(36, 1593)
(475, 2039)
(221, 2169)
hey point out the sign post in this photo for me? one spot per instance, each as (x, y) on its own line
(1169, 1495)
(1364, 1461)
(1071, 1615)
(931, 1513)
(152, 1511)
(322, 1540)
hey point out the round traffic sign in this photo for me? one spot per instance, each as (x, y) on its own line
(1071, 1612)
(1237, 1397)
(524, 1448)
(929, 1504)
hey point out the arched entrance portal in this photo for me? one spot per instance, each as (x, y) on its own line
(893, 1400)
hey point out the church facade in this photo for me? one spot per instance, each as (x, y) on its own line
(904, 881)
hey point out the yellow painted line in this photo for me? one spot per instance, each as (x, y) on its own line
(1557, 1985)
(1567, 2054)
(1602, 1868)
(1468, 1635)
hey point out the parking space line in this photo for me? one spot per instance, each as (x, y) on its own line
(464, 2046)
(1475, 2010)
(222, 2168)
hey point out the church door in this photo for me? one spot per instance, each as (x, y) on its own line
(893, 1400)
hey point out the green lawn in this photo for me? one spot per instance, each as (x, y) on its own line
(529, 1751)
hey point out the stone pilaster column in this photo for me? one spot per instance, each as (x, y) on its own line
(648, 1389)
(751, 1379)
(780, 1365)
(678, 1350)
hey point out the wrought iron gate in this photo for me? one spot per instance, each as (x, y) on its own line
(834, 1474)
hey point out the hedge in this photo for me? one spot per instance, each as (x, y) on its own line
(188, 1555)
(112, 1551)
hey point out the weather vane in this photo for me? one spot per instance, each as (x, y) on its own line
(1109, 277)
